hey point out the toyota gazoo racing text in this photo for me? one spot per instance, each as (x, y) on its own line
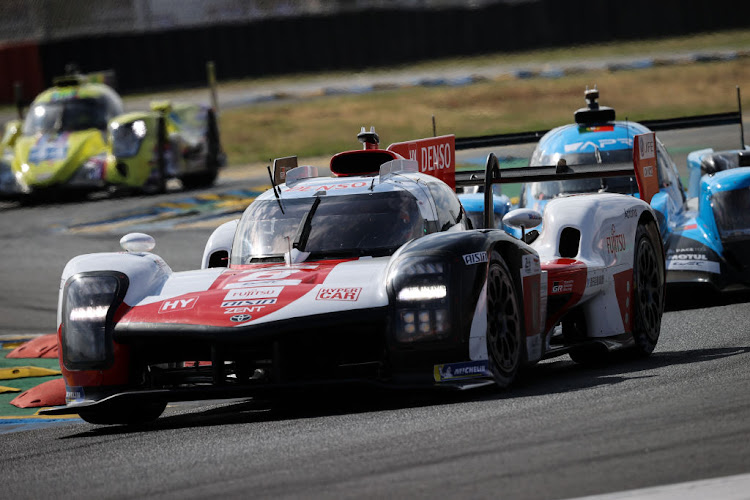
(373, 275)
(705, 229)
(77, 138)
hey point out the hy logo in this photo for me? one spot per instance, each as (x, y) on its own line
(177, 305)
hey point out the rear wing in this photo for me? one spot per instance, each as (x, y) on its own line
(493, 174)
(643, 167)
(74, 77)
(710, 120)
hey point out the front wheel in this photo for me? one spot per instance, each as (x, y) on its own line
(505, 341)
(648, 288)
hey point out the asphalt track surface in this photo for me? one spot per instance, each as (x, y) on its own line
(564, 431)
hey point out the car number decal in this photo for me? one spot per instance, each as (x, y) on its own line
(46, 150)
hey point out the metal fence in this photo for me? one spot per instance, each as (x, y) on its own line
(153, 44)
(49, 20)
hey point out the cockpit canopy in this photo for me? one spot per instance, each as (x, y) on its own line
(724, 160)
(71, 113)
(375, 224)
(583, 145)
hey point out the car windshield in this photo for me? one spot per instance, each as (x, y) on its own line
(551, 189)
(373, 224)
(69, 115)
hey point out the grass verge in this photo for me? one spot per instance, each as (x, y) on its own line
(325, 125)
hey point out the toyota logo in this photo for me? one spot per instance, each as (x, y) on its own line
(238, 318)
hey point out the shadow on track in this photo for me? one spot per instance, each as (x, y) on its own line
(700, 297)
(560, 376)
(563, 375)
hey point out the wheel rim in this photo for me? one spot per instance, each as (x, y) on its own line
(503, 326)
(648, 290)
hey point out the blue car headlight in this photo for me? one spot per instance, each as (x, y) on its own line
(421, 294)
(89, 304)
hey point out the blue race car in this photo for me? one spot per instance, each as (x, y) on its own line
(472, 199)
(706, 231)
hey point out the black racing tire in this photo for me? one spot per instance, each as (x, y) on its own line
(124, 415)
(156, 185)
(648, 288)
(505, 339)
(201, 180)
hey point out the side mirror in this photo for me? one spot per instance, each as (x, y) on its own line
(137, 242)
(219, 245)
(708, 166)
(523, 218)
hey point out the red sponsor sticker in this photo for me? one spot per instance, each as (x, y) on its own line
(436, 156)
(351, 294)
(644, 162)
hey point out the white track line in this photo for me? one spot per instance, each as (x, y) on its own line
(726, 488)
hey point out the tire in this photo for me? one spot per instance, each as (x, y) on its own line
(201, 180)
(157, 185)
(505, 340)
(125, 415)
(648, 288)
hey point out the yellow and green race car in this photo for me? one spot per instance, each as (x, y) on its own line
(76, 138)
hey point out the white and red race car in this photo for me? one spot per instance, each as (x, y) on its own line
(373, 275)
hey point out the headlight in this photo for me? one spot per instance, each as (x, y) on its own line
(89, 303)
(421, 293)
(127, 138)
(420, 288)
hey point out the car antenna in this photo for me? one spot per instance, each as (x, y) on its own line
(273, 186)
(633, 190)
(742, 127)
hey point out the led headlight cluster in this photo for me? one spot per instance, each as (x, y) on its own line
(89, 302)
(420, 286)
(127, 138)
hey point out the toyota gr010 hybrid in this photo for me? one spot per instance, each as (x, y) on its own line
(705, 230)
(76, 138)
(374, 275)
